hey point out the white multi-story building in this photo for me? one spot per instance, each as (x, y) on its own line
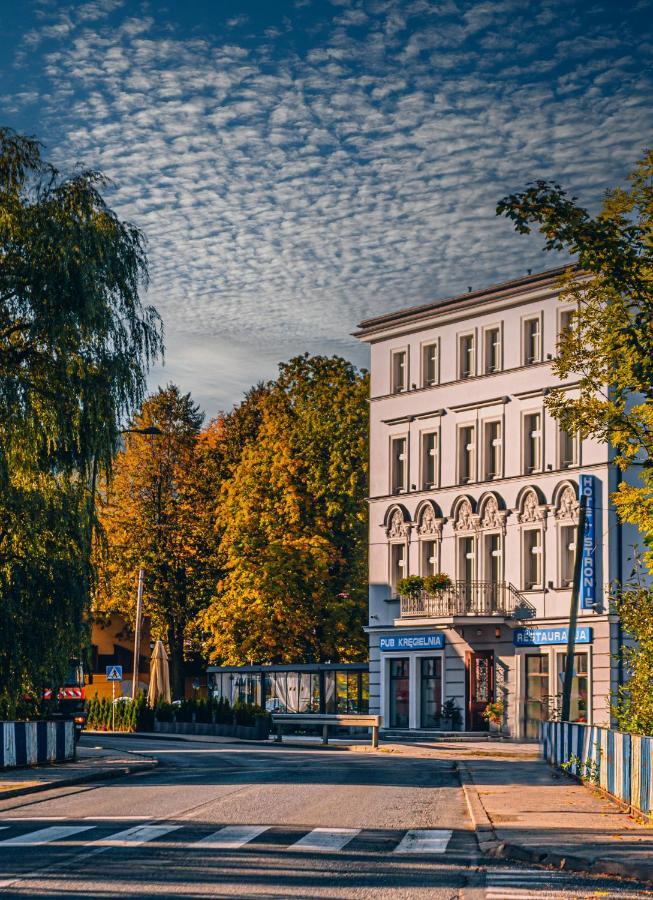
(470, 476)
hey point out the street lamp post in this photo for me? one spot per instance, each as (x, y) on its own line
(151, 430)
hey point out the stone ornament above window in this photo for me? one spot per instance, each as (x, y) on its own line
(429, 524)
(567, 510)
(492, 516)
(466, 520)
(532, 510)
(397, 526)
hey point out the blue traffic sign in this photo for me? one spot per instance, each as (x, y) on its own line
(114, 673)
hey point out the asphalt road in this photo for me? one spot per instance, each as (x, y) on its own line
(234, 820)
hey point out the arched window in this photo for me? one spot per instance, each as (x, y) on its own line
(429, 532)
(532, 518)
(566, 503)
(397, 531)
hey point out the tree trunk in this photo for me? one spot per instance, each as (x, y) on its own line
(176, 645)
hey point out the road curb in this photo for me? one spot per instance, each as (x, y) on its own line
(100, 775)
(490, 845)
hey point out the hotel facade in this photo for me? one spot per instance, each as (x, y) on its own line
(470, 476)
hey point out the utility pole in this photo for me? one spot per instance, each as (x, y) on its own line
(137, 635)
(573, 612)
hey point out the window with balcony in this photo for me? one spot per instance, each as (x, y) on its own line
(398, 567)
(430, 461)
(492, 450)
(567, 449)
(398, 465)
(399, 371)
(532, 426)
(532, 341)
(466, 356)
(532, 559)
(492, 351)
(567, 538)
(493, 558)
(430, 365)
(466, 454)
(429, 555)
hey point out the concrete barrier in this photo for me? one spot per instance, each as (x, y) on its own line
(31, 743)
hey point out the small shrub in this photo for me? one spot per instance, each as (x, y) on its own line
(438, 582)
(410, 585)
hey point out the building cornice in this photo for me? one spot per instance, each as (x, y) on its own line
(379, 326)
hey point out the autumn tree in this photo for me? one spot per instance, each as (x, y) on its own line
(158, 514)
(75, 345)
(293, 522)
(608, 349)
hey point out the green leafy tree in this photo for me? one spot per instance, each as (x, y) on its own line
(608, 350)
(75, 345)
(158, 514)
(292, 517)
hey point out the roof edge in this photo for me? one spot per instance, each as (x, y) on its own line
(502, 289)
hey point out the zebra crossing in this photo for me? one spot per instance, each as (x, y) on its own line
(517, 883)
(97, 832)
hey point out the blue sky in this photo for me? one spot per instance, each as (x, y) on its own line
(299, 166)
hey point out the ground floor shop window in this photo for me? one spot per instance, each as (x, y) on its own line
(579, 709)
(537, 693)
(430, 691)
(399, 690)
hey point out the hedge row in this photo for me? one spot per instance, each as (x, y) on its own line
(136, 715)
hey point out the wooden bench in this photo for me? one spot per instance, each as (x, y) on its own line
(345, 720)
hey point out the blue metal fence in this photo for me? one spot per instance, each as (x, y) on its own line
(620, 764)
(31, 743)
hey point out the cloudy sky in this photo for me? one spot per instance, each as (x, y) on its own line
(298, 166)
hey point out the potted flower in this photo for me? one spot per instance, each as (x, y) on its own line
(410, 586)
(438, 582)
(493, 713)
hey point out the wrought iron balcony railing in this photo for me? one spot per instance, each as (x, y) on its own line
(468, 598)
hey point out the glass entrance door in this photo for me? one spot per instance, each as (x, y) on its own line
(430, 691)
(537, 693)
(399, 693)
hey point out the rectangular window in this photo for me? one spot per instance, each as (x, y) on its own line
(565, 321)
(429, 460)
(532, 539)
(398, 465)
(567, 554)
(466, 454)
(532, 443)
(466, 367)
(399, 371)
(568, 449)
(492, 350)
(537, 693)
(532, 341)
(492, 450)
(429, 553)
(430, 365)
(493, 564)
(398, 568)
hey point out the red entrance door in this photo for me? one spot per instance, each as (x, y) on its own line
(480, 688)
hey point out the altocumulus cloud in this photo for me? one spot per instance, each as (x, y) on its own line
(334, 161)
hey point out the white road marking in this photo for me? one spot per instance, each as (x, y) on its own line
(424, 840)
(44, 835)
(230, 837)
(133, 837)
(531, 884)
(326, 839)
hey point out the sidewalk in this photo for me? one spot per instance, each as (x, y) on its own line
(528, 811)
(91, 764)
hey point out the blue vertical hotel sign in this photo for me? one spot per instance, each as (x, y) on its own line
(588, 573)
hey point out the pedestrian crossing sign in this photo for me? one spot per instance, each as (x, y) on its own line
(114, 673)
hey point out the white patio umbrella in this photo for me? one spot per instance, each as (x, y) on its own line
(159, 675)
